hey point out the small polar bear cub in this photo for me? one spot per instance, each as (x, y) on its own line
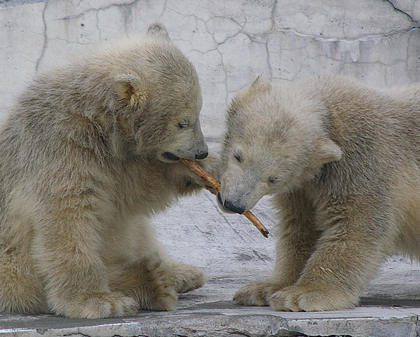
(342, 162)
(89, 152)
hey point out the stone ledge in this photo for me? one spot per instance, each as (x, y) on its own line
(225, 319)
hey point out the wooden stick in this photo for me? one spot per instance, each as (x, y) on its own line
(197, 169)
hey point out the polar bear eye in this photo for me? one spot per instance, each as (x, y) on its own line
(238, 157)
(273, 180)
(183, 124)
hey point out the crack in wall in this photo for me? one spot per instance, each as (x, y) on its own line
(218, 44)
(273, 25)
(360, 38)
(265, 35)
(402, 12)
(14, 3)
(44, 47)
(163, 10)
(76, 16)
(263, 38)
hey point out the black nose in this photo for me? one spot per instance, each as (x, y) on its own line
(202, 155)
(234, 207)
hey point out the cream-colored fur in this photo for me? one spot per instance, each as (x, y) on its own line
(89, 152)
(342, 162)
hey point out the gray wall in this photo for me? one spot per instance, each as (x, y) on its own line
(376, 41)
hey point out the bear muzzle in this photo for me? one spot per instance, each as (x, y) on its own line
(201, 155)
(230, 206)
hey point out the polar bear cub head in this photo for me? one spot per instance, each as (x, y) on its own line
(145, 95)
(168, 93)
(275, 141)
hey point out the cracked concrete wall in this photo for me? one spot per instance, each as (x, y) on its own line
(376, 41)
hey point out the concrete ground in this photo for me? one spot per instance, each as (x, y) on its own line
(233, 252)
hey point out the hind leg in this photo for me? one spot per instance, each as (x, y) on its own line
(151, 277)
(186, 277)
(148, 281)
(155, 283)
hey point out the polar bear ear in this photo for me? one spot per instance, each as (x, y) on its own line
(159, 30)
(328, 151)
(260, 81)
(130, 89)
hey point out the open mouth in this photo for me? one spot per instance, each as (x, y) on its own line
(170, 156)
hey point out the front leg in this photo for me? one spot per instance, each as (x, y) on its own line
(296, 238)
(347, 256)
(65, 248)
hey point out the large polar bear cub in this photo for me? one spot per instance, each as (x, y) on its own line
(342, 162)
(89, 152)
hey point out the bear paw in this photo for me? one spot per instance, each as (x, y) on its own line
(256, 293)
(160, 292)
(301, 298)
(187, 277)
(98, 305)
